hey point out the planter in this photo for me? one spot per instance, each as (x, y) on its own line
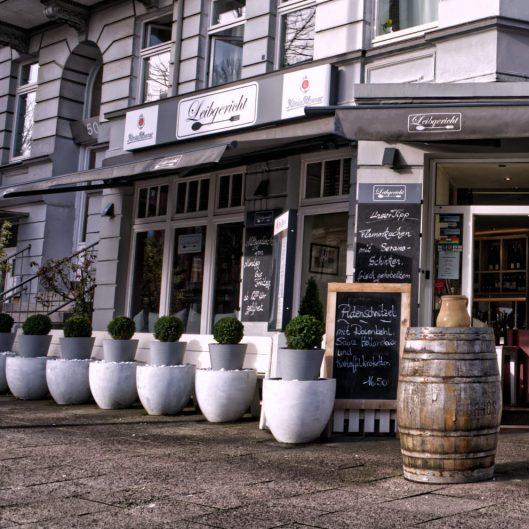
(68, 380)
(297, 411)
(26, 377)
(113, 384)
(7, 339)
(3, 381)
(227, 356)
(119, 350)
(165, 390)
(31, 346)
(79, 348)
(166, 353)
(224, 396)
(299, 364)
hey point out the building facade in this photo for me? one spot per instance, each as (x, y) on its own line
(222, 152)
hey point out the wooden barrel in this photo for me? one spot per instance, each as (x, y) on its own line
(449, 404)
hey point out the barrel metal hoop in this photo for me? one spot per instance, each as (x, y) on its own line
(451, 455)
(443, 433)
(449, 380)
(464, 357)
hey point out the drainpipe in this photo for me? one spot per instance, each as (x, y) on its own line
(179, 9)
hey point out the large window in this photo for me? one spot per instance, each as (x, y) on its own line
(297, 26)
(147, 279)
(156, 60)
(26, 95)
(226, 34)
(396, 15)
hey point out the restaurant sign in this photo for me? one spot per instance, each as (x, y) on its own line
(217, 111)
(437, 122)
(140, 128)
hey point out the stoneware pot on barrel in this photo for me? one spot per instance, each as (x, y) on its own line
(449, 404)
(453, 312)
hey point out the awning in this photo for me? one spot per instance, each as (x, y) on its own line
(430, 122)
(119, 175)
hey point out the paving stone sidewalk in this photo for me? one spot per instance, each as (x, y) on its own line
(73, 467)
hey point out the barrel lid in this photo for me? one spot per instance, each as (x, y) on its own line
(450, 333)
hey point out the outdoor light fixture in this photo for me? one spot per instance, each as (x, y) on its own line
(108, 211)
(391, 158)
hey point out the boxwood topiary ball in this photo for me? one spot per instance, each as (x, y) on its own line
(121, 328)
(228, 331)
(6, 322)
(168, 329)
(77, 327)
(304, 332)
(37, 325)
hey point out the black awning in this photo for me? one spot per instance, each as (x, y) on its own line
(120, 175)
(439, 122)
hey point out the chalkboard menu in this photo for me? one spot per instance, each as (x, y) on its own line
(257, 274)
(388, 244)
(365, 336)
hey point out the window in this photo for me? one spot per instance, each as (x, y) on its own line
(152, 202)
(26, 94)
(329, 178)
(148, 266)
(93, 104)
(297, 34)
(396, 15)
(230, 191)
(192, 196)
(226, 36)
(156, 60)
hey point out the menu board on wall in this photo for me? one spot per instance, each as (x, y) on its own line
(257, 274)
(388, 244)
(366, 326)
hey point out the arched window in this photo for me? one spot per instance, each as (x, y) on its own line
(93, 92)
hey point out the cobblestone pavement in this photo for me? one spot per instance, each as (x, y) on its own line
(71, 467)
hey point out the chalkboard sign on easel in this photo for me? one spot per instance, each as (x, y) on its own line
(366, 325)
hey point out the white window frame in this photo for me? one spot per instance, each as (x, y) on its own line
(147, 185)
(211, 219)
(402, 34)
(284, 8)
(192, 214)
(22, 90)
(149, 51)
(230, 173)
(339, 154)
(213, 29)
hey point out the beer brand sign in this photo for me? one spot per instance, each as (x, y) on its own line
(437, 122)
(217, 111)
(140, 128)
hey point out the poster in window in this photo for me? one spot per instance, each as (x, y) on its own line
(324, 259)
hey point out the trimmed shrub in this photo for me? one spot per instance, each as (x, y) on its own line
(304, 332)
(6, 322)
(121, 328)
(228, 331)
(37, 325)
(77, 327)
(311, 304)
(168, 329)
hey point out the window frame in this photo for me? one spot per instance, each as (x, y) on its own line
(146, 52)
(401, 34)
(230, 209)
(212, 30)
(284, 8)
(20, 91)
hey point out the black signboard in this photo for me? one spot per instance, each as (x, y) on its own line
(257, 274)
(388, 244)
(366, 345)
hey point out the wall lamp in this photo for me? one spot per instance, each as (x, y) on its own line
(392, 158)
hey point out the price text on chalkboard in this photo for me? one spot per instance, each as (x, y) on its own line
(365, 333)
(257, 274)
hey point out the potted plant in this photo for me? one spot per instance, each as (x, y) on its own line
(35, 340)
(77, 342)
(166, 350)
(7, 337)
(121, 348)
(227, 353)
(301, 359)
(387, 27)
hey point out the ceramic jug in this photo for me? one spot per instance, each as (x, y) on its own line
(453, 312)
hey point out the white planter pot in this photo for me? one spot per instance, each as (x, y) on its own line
(26, 377)
(68, 380)
(6, 341)
(166, 353)
(165, 390)
(78, 348)
(119, 350)
(32, 346)
(224, 396)
(297, 411)
(4, 388)
(113, 384)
